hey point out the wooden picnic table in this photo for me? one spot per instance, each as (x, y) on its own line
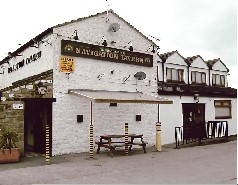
(111, 142)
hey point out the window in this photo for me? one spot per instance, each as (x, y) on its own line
(174, 75)
(218, 80)
(222, 109)
(198, 77)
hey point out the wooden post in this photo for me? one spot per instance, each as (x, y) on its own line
(126, 139)
(158, 136)
(47, 144)
(91, 132)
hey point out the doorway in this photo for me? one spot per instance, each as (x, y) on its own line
(38, 114)
(193, 120)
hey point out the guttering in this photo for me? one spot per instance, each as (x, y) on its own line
(28, 44)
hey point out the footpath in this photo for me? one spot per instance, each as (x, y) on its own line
(206, 164)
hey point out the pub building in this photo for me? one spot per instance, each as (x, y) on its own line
(101, 71)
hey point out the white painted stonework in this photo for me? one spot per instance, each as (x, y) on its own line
(106, 120)
(172, 116)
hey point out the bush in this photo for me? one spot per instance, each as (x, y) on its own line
(8, 138)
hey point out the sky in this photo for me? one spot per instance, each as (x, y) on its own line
(192, 27)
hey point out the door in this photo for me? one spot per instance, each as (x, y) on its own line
(38, 113)
(193, 120)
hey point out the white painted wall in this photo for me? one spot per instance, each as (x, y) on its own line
(199, 63)
(219, 66)
(171, 116)
(107, 120)
(42, 64)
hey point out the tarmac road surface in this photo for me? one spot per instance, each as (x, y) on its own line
(208, 164)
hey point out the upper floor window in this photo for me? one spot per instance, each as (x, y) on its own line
(218, 80)
(198, 77)
(174, 75)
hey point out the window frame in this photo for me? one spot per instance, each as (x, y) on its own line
(222, 105)
(179, 73)
(194, 80)
(214, 80)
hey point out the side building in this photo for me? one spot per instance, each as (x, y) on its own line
(200, 92)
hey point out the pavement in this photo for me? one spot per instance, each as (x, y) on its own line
(206, 164)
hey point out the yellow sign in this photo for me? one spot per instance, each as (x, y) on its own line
(66, 64)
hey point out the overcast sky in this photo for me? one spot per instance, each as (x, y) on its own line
(193, 27)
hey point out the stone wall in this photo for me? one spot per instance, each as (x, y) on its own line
(11, 115)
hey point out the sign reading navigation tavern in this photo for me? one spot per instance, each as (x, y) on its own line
(79, 49)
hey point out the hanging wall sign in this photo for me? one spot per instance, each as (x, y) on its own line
(79, 49)
(66, 64)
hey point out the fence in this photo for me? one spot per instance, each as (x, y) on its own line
(193, 132)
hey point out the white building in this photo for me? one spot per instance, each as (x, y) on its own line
(103, 53)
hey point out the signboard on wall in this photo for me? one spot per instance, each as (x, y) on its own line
(79, 49)
(24, 62)
(66, 64)
(17, 106)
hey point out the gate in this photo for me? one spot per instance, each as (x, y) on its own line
(193, 132)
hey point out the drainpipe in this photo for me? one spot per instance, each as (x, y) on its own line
(209, 76)
(163, 61)
(157, 87)
(188, 75)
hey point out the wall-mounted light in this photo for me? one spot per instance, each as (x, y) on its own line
(9, 54)
(33, 46)
(158, 48)
(36, 43)
(130, 48)
(104, 43)
(196, 98)
(76, 35)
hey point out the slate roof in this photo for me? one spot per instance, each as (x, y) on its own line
(189, 60)
(167, 55)
(210, 63)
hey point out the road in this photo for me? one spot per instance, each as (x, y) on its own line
(208, 164)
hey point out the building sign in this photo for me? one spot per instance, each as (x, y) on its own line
(17, 106)
(66, 64)
(24, 62)
(79, 49)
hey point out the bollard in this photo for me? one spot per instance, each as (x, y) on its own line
(158, 136)
(47, 144)
(126, 138)
(91, 142)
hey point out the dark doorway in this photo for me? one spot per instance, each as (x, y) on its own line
(193, 120)
(38, 113)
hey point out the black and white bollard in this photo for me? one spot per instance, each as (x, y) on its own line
(158, 136)
(126, 139)
(91, 142)
(47, 144)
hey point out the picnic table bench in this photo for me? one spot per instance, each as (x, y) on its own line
(107, 142)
